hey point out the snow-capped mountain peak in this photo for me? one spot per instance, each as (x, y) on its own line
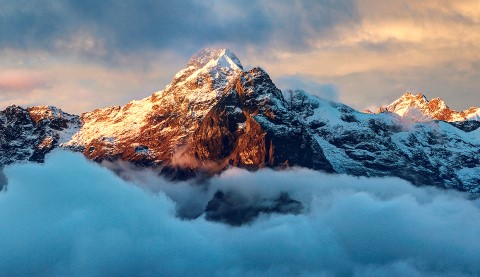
(406, 103)
(209, 66)
(217, 56)
(418, 108)
(169, 116)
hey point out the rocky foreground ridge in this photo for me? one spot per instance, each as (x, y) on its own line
(216, 114)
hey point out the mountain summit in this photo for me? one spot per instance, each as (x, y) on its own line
(419, 108)
(215, 115)
(222, 57)
(212, 115)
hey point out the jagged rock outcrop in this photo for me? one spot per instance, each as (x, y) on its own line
(236, 210)
(251, 127)
(28, 134)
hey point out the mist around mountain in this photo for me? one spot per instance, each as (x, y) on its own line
(221, 173)
(70, 216)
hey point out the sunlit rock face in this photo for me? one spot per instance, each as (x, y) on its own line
(212, 115)
(215, 115)
(156, 129)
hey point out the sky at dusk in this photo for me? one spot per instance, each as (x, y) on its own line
(82, 55)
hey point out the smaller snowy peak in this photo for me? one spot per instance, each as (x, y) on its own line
(472, 114)
(419, 108)
(406, 103)
(13, 107)
(217, 56)
(39, 113)
(30, 133)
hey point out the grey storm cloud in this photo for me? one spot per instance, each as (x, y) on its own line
(73, 217)
(185, 25)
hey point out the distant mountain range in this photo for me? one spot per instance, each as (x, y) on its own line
(215, 115)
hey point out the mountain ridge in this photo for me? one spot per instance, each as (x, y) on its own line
(215, 115)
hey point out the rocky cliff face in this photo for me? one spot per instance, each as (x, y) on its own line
(251, 126)
(215, 114)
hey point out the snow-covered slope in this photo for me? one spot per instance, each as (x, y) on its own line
(418, 108)
(215, 114)
(385, 144)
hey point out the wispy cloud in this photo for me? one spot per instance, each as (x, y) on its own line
(21, 80)
(359, 46)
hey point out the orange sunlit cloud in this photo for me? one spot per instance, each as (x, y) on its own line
(371, 50)
(19, 79)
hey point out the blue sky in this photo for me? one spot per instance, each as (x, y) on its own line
(81, 55)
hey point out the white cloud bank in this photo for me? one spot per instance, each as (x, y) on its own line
(72, 217)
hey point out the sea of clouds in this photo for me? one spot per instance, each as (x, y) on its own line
(70, 216)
